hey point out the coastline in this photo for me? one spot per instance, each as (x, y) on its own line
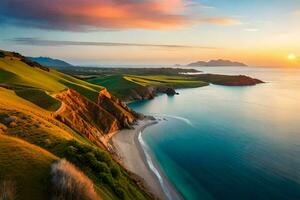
(134, 155)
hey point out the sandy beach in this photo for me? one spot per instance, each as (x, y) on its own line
(133, 157)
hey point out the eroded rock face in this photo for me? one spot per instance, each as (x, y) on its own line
(94, 120)
(166, 90)
(149, 92)
(125, 116)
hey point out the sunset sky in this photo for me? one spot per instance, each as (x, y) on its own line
(91, 32)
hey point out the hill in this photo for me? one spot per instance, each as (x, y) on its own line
(50, 62)
(46, 116)
(216, 63)
(131, 84)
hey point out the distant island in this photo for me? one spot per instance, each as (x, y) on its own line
(50, 62)
(216, 63)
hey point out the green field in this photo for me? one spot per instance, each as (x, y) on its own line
(174, 81)
(116, 84)
(121, 85)
(40, 98)
(18, 75)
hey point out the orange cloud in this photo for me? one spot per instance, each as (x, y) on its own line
(82, 15)
(85, 14)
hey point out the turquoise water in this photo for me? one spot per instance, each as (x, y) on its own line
(230, 143)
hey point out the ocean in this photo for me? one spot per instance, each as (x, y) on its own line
(230, 143)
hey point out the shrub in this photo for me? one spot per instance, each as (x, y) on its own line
(68, 183)
(115, 172)
(103, 157)
(2, 55)
(107, 179)
(120, 192)
(7, 190)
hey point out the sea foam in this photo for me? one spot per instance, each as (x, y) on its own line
(153, 168)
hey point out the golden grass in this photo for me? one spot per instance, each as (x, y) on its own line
(13, 72)
(28, 165)
(8, 190)
(68, 182)
(31, 119)
(177, 81)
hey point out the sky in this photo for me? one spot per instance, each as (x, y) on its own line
(154, 32)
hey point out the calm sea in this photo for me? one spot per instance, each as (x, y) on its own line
(230, 143)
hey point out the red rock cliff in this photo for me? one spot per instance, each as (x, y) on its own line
(97, 121)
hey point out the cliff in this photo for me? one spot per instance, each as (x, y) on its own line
(148, 92)
(96, 120)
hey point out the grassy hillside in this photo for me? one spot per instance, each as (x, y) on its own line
(17, 74)
(42, 140)
(40, 98)
(116, 84)
(120, 85)
(31, 139)
(27, 167)
(128, 83)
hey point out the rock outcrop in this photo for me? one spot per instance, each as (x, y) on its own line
(96, 120)
(149, 92)
(228, 80)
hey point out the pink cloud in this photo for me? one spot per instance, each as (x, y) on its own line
(82, 15)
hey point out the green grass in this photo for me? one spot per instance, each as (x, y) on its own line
(38, 134)
(110, 178)
(175, 81)
(40, 98)
(115, 84)
(121, 85)
(16, 73)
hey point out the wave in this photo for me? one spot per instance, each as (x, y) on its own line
(153, 168)
(187, 121)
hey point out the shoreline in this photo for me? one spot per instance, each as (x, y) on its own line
(134, 155)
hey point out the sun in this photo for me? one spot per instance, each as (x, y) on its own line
(292, 57)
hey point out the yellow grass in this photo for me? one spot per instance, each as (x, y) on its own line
(25, 164)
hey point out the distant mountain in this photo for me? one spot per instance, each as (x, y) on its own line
(215, 63)
(50, 62)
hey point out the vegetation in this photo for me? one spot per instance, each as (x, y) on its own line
(7, 190)
(174, 81)
(40, 98)
(28, 165)
(68, 183)
(2, 54)
(116, 84)
(41, 141)
(15, 73)
(96, 71)
(31, 140)
(121, 85)
(103, 170)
